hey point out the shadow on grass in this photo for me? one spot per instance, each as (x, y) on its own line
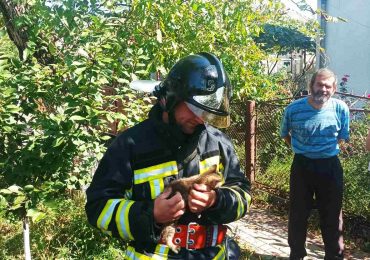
(14, 244)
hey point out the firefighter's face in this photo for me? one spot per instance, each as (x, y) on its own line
(186, 119)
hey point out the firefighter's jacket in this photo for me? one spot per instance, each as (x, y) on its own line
(136, 168)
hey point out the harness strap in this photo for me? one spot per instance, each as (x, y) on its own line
(195, 236)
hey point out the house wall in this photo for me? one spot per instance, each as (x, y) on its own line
(347, 44)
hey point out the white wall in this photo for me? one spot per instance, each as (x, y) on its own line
(348, 44)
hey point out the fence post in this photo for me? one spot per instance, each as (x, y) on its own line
(250, 135)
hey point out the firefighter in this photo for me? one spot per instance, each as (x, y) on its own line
(127, 196)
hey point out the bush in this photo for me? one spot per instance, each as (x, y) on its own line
(65, 234)
(357, 183)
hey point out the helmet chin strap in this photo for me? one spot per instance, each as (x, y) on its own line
(178, 136)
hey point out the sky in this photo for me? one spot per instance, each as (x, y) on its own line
(294, 11)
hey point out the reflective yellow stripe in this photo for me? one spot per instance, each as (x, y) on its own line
(155, 172)
(248, 198)
(131, 254)
(156, 187)
(122, 220)
(209, 162)
(221, 254)
(221, 167)
(240, 209)
(105, 216)
(161, 252)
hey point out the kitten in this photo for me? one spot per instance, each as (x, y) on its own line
(183, 186)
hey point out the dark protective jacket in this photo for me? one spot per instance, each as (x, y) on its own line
(136, 168)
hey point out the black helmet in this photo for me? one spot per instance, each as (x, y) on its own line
(201, 81)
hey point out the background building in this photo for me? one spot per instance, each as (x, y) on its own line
(347, 44)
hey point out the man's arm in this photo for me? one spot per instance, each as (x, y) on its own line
(343, 134)
(109, 205)
(285, 128)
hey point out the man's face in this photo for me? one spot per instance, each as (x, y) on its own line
(323, 88)
(186, 119)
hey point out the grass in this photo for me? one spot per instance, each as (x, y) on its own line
(64, 234)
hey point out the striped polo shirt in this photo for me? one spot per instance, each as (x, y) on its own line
(315, 132)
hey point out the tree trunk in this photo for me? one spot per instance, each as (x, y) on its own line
(19, 35)
(11, 12)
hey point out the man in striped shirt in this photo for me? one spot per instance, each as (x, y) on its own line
(314, 126)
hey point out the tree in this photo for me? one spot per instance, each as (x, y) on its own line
(17, 33)
(281, 40)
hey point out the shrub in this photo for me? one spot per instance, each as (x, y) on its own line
(64, 234)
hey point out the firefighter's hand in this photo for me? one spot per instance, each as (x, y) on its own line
(201, 197)
(168, 210)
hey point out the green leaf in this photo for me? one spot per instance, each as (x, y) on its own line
(52, 204)
(19, 200)
(13, 108)
(5, 191)
(7, 129)
(14, 207)
(105, 137)
(3, 202)
(77, 63)
(59, 141)
(35, 215)
(77, 118)
(15, 189)
(29, 187)
(123, 81)
(79, 71)
(52, 48)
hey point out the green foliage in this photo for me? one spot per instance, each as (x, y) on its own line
(355, 163)
(53, 116)
(283, 40)
(357, 183)
(270, 146)
(280, 168)
(21, 202)
(65, 234)
(58, 101)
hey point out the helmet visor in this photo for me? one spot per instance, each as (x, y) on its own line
(220, 121)
(216, 101)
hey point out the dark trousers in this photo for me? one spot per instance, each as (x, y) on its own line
(322, 179)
